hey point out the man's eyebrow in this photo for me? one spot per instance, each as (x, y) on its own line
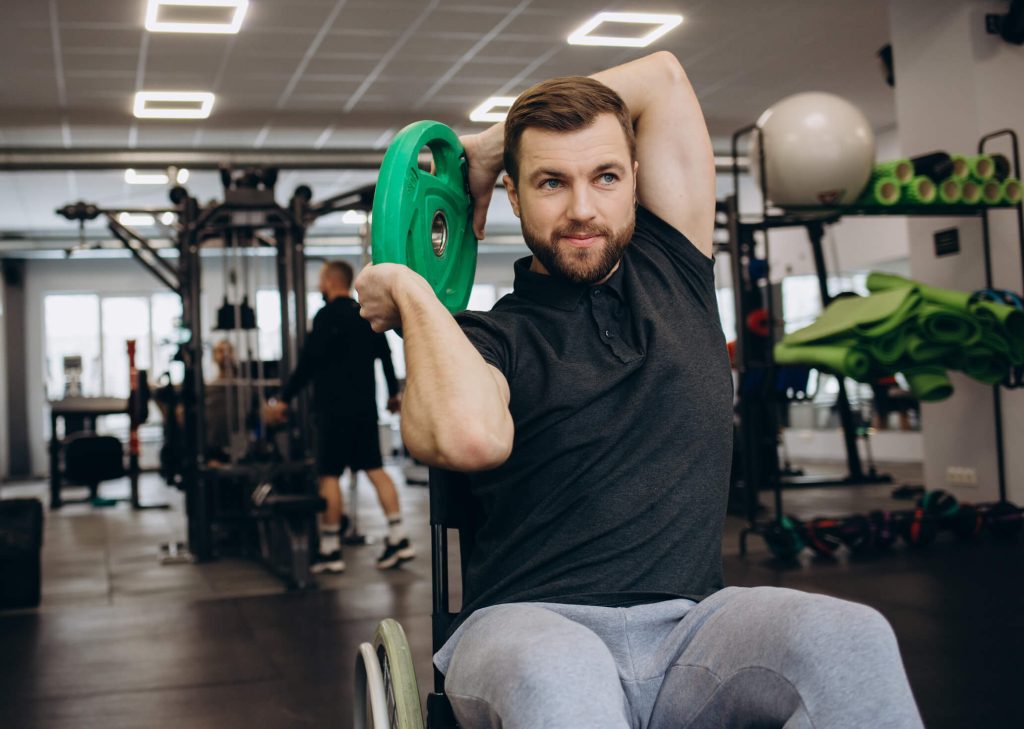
(558, 174)
(538, 174)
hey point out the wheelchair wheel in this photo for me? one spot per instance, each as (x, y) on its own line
(387, 695)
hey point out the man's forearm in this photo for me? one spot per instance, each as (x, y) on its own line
(454, 413)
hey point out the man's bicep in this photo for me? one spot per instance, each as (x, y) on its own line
(676, 176)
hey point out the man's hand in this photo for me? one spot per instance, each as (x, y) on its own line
(378, 287)
(275, 412)
(395, 404)
(483, 153)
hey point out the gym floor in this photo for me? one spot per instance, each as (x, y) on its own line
(121, 641)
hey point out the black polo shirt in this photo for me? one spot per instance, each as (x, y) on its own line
(621, 393)
(338, 358)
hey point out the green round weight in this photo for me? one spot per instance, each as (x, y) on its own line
(423, 220)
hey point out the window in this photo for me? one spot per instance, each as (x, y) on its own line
(268, 317)
(123, 318)
(71, 327)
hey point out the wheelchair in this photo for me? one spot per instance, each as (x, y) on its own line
(386, 692)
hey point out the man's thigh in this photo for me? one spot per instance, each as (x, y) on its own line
(782, 657)
(524, 666)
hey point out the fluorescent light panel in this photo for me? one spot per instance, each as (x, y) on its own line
(495, 109)
(197, 17)
(175, 104)
(663, 24)
(134, 177)
(353, 217)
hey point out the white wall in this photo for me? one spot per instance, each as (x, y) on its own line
(954, 83)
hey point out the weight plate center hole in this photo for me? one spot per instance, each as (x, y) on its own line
(439, 233)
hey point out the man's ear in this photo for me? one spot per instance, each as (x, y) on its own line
(513, 196)
(636, 167)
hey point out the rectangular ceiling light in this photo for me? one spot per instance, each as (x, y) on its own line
(173, 104)
(195, 16)
(495, 109)
(134, 177)
(662, 24)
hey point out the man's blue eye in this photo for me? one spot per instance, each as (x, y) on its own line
(609, 177)
(550, 184)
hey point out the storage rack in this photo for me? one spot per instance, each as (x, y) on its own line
(758, 418)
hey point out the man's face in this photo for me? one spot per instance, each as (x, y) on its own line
(325, 283)
(576, 199)
(223, 353)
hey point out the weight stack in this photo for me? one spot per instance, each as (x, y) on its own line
(21, 542)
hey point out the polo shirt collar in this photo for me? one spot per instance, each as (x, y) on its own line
(554, 291)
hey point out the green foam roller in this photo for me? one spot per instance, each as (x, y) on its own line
(901, 169)
(920, 191)
(1011, 191)
(961, 168)
(970, 192)
(992, 192)
(928, 383)
(949, 191)
(842, 360)
(882, 191)
(981, 166)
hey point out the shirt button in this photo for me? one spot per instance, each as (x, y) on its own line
(596, 292)
(607, 333)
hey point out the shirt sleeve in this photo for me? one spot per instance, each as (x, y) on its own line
(667, 245)
(313, 350)
(487, 336)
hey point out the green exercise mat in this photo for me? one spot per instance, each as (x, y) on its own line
(961, 167)
(992, 192)
(949, 191)
(882, 191)
(842, 360)
(928, 383)
(970, 192)
(920, 350)
(984, 364)
(871, 315)
(945, 325)
(981, 167)
(889, 347)
(901, 169)
(887, 281)
(1011, 191)
(921, 191)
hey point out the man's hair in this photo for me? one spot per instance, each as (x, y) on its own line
(341, 271)
(564, 104)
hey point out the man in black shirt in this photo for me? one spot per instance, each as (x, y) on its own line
(338, 357)
(593, 408)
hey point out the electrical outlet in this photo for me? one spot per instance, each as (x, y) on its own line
(961, 476)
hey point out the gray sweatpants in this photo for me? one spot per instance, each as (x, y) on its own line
(744, 657)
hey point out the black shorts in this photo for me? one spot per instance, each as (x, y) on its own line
(342, 444)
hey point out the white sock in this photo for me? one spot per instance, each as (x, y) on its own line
(329, 539)
(395, 531)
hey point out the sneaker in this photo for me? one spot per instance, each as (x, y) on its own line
(328, 563)
(395, 554)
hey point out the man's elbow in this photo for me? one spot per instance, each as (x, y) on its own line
(476, 448)
(468, 448)
(669, 65)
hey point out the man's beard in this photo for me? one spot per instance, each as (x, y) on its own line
(580, 265)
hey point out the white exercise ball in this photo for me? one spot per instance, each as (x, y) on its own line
(818, 150)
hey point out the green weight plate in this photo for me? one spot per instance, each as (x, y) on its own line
(423, 220)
